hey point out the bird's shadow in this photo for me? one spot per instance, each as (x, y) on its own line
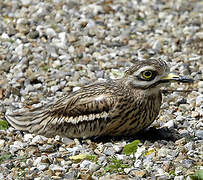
(151, 134)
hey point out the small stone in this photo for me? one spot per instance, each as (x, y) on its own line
(181, 141)
(178, 170)
(28, 137)
(71, 49)
(42, 166)
(117, 148)
(1, 176)
(37, 86)
(54, 167)
(62, 36)
(121, 156)
(17, 145)
(189, 146)
(157, 45)
(163, 152)
(66, 140)
(19, 50)
(199, 134)
(2, 143)
(50, 32)
(187, 163)
(26, 2)
(56, 63)
(93, 167)
(72, 38)
(46, 148)
(183, 132)
(76, 88)
(199, 35)
(169, 124)
(199, 100)
(4, 36)
(109, 151)
(55, 88)
(139, 173)
(33, 34)
(70, 175)
(166, 166)
(85, 164)
(138, 163)
(127, 170)
(102, 160)
(179, 178)
(39, 140)
(194, 114)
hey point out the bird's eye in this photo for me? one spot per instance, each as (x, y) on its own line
(148, 75)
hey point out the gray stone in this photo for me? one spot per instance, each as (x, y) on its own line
(85, 164)
(199, 134)
(179, 178)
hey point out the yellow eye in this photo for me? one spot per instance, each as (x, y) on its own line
(147, 74)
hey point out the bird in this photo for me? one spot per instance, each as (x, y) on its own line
(116, 107)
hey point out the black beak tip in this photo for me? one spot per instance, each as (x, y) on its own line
(185, 80)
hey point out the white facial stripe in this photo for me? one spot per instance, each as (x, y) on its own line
(144, 83)
(144, 69)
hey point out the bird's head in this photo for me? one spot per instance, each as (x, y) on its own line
(151, 73)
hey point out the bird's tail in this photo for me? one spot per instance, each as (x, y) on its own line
(32, 121)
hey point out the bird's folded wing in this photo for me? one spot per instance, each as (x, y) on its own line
(75, 108)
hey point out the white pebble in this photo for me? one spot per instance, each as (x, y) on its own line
(169, 124)
(2, 143)
(50, 32)
(85, 164)
(200, 35)
(28, 137)
(54, 167)
(26, 2)
(19, 50)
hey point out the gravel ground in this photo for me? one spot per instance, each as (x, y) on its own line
(51, 47)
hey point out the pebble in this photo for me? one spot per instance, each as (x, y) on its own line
(28, 137)
(169, 124)
(26, 2)
(39, 140)
(181, 141)
(179, 178)
(199, 100)
(56, 168)
(108, 151)
(199, 134)
(93, 167)
(85, 164)
(199, 35)
(2, 143)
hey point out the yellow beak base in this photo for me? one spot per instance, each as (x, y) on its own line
(175, 77)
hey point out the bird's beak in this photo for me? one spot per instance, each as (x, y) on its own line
(175, 77)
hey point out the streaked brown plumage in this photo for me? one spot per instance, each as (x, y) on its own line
(115, 108)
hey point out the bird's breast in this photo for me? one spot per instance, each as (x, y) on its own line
(135, 114)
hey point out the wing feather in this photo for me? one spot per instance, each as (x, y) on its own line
(85, 105)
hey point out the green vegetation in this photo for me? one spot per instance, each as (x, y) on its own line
(198, 175)
(91, 158)
(5, 156)
(115, 166)
(46, 68)
(3, 125)
(172, 173)
(131, 148)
